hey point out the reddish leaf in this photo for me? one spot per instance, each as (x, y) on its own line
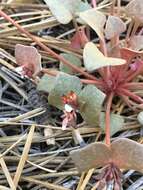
(79, 39)
(129, 54)
(127, 154)
(29, 58)
(124, 153)
(92, 156)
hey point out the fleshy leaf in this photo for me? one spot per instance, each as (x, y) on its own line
(124, 153)
(135, 10)
(140, 117)
(62, 14)
(95, 19)
(73, 59)
(129, 54)
(90, 103)
(94, 59)
(114, 26)
(64, 10)
(75, 6)
(116, 123)
(29, 57)
(128, 154)
(92, 156)
(79, 39)
(64, 84)
(46, 83)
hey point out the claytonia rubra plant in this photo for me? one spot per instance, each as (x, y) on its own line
(109, 71)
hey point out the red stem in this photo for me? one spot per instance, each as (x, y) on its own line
(130, 95)
(107, 118)
(94, 3)
(133, 85)
(132, 75)
(34, 38)
(85, 81)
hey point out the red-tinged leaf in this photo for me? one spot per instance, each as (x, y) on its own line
(75, 41)
(79, 39)
(124, 153)
(127, 154)
(110, 29)
(129, 54)
(29, 58)
(135, 10)
(92, 156)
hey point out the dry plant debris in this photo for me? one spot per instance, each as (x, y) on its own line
(71, 94)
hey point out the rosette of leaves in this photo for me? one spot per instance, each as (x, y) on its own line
(90, 98)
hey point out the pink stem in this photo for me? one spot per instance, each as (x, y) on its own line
(133, 85)
(133, 74)
(107, 118)
(93, 2)
(130, 94)
(34, 38)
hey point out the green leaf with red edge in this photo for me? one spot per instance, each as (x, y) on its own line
(46, 83)
(90, 104)
(64, 83)
(73, 59)
(116, 123)
(124, 153)
(94, 59)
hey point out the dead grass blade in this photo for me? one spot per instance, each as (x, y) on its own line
(7, 174)
(24, 155)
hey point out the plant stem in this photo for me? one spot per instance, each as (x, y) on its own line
(35, 39)
(93, 2)
(130, 95)
(107, 118)
(133, 85)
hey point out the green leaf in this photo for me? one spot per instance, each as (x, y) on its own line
(62, 14)
(111, 30)
(83, 6)
(116, 123)
(64, 83)
(91, 99)
(46, 83)
(94, 59)
(73, 59)
(64, 10)
(95, 19)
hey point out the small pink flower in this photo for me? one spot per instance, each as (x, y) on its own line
(70, 105)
